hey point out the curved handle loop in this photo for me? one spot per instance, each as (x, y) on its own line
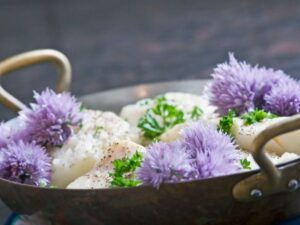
(271, 179)
(59, 60)
(288, 125)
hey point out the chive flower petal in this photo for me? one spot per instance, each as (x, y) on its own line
(284, 100)
(164, 163)
(242, 87)
(9, 133)
(48, 120)
(25, 163)
(212, 153)
(203, 152)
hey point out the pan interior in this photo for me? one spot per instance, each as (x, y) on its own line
(115, 99)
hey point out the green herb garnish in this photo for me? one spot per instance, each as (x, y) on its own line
(160, 99)
(245, 164)
(98, 130)
(122, 176)
(256, 116)
(44, 185)
(82, 107)
(196, 113)
(144, 102)
(169, 116)
(150, 126)
(53, 186)
(226, 122)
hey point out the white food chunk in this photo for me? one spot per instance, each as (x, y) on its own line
(183, 101)
(186, 103)
(86, 146)
(245, 134)
(275, 159)
(132, 113)
(290, 142)
(98, 177)
(172, 134)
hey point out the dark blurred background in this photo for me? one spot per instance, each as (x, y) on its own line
(115, 42)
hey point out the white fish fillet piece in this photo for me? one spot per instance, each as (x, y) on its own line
(98, 177)
(86, 146)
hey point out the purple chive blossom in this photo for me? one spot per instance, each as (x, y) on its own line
(233, 87)
(5, 133)
(164, 163)
(283, 100)
(240, 86)
(25, 163)
(212, 153)
(62, 104)
(265, 80)
(10, 134)
(49, 119)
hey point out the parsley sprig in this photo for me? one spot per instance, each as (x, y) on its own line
(196, 113)
(245, 164)
(226, 122)
(43, 184)
(256, 116)
(98, 130)
(82, 107)
(169, 114)
(122, 175)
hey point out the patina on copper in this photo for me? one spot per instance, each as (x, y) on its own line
(221, 200)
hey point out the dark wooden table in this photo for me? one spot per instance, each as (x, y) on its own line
(116, 43)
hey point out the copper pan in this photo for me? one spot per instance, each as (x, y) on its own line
(258, 197)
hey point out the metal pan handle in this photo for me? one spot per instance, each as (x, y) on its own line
(271, 180)
(26, 59)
